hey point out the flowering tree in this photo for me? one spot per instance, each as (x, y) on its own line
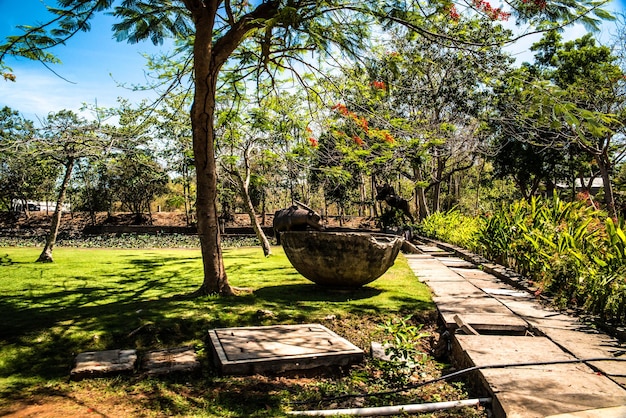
(412, 111)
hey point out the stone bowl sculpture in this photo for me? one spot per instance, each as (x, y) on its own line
(341, 259)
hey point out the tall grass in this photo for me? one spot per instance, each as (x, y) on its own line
(572, 251)
(452, 227)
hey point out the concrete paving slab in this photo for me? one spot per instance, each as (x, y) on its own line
(503, 291)
(474, 304)
(474, 273)
(279, 348)
(531, 310)
(455, 262)
(170, 360)
(487, 323)
(484, 314)
(430, 249)
(439, 273)
(429, 266)
(585, 343)
(439, 276)
(103, 363)
(455, 288)
(617, 412)
(420, 256)
(490, 284)
(535, 391)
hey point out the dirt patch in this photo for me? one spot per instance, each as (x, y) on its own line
(79, 220)
(77, 405)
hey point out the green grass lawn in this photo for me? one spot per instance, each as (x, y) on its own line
(96, 299)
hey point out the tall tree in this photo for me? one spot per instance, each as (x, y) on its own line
(66, 138)
(219, 30)
(24, 172)
(243, 135)
(571, 100)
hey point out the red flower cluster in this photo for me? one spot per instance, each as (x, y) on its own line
(494, 13)
(343, 109)
(453, 13)
(379, 85)
(363, 124)
(314, 143)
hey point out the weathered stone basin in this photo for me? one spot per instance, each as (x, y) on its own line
(341, 259)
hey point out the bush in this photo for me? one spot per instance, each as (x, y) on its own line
(570, 250)
(452, 227)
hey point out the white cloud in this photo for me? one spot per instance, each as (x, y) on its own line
(38, 92)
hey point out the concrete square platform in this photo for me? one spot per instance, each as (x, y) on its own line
(279, 348)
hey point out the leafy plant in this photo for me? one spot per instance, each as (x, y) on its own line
(569, 249)
(452, 227)
(405, 340)
(403, 346)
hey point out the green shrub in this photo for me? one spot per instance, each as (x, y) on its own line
(570, 250)
(452, 227)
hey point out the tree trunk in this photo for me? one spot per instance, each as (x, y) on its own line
(609, 198)
(46, 254)
(420, 194)
(244, 186)
(186, 193)
(206, 71)
(265, 244)
(209, 56)
(437, 185)
(478, 179)
(436, 196)
(373, 196)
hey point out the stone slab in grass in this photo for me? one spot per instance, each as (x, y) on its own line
(103, 363)
(280, 348)
(171, 360)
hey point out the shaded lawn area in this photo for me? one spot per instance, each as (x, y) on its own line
(97, 299)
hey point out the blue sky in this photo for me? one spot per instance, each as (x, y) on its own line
(95, 64)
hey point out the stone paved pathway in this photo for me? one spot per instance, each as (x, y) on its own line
(512, 326)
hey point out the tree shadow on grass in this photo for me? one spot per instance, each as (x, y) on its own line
(314, 293)
(145, 305)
